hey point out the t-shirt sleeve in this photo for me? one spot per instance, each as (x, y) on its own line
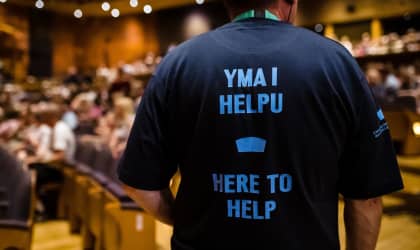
(368, 166)
(147, 162)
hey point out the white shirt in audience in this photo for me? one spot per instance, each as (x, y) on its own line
(44, 141)
(392, 81)
(64, 140)
(39, 136)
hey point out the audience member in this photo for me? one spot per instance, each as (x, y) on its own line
(73, 76)
(121, 86)
(376, 84)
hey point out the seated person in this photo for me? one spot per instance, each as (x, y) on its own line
(62, 149)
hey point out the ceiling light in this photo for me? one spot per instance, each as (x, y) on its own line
(3, 1)
(134, 3)
(200, 2)
(106, 6)
(39, 4)
(147, 9)
(115, 13)
(78, 13)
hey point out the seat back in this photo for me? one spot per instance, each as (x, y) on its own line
(398, 124)
(85, 151)
(20, 205)
(85, 128)
(113, 171)
(15, 188)
(406, 103)
(104, 159)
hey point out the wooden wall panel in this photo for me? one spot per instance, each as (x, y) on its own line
(102, 41)
(64, 49)
(14, 25)
(93, 41)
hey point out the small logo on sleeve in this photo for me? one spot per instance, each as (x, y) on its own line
(383, 126)
(251, 145)
(380, 115)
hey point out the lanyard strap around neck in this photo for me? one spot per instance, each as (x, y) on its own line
(266, 14)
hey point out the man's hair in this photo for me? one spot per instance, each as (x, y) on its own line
(248, 4)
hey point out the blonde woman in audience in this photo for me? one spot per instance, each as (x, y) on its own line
(115, 126)
(123, 114)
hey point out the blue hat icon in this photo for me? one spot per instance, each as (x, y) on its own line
(251, 145)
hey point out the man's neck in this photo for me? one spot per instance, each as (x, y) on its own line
(275, 11)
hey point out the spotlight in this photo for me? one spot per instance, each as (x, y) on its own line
(199, 2)
(39, 4)
(416, 128)
(78, 13)
(134, 3)
(106, 6)
(147, 9)
(115, 13)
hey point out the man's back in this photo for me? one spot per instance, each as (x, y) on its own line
(268, 123)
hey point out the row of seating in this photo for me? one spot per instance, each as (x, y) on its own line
(91, 197)
(17, 202)
(96, 204)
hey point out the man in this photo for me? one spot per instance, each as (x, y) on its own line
(63, 142)
(267, 123)
(62, 146)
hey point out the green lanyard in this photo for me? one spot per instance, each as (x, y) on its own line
(256, 14)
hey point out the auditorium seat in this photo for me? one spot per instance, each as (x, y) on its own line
(85, 150)
(407, 103)
(412, 143)
(77, 181)
(103, 212)
(110, 211)
(102, 168)
(401, 115)
(125, 224)
(398, 124)
(17, 199)
(83, 156)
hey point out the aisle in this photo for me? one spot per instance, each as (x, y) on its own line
(55, 235)
(400, 225)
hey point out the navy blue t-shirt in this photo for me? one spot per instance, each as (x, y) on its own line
(267, 123)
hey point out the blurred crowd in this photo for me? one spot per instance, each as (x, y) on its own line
(392, 43)
(388, 81)
(40, 124)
